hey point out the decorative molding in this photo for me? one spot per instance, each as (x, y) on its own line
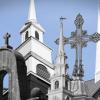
(79, 21)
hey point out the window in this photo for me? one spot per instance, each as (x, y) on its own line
(43, 72)
(56, 84)
(36, 35)
(66, 84)
(26, 35)
(4, 84)
(67, 98)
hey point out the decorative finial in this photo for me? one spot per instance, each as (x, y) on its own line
(62, 18)
(79, 21)
(7, 37)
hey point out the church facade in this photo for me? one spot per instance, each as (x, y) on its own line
(33, 76)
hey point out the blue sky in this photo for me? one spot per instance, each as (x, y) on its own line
(14, 13)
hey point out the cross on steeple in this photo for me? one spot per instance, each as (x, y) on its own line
(7, 37)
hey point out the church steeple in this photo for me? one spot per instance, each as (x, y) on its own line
(61, 54)
(32, 11)
(33, 47)
(61, 57)
(60, 80)
(32, 28)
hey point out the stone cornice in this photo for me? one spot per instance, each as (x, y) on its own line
(24, 43)
(39, 58)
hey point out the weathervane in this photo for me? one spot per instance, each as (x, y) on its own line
(62, 18)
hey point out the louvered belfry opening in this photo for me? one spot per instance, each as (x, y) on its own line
(43, 72)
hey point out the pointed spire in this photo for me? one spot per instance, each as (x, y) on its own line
(98, 23)
(97, 70)
(61, 53)
(32, 11)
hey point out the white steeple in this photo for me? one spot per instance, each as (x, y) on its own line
(59, 80)
(97, 70)
(60, 55)
(33, 48)
(32, 11)
(32, 28)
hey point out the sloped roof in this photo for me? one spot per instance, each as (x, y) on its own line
(28, 24)
(92, 87)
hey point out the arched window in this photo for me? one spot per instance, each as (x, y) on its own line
(6, 81)
(4, 84)
(42, 71)
(26, 35)
(56, 84)
(36, 35)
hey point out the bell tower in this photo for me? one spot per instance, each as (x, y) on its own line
(32, 27)
(37, 55)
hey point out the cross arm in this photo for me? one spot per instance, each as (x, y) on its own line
(92, 38)
(95, 37)
(84, 39)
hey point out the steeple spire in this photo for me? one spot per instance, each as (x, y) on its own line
(98, 23)
(60, 80)
(97, 70)
(61, 54)
(32, 11)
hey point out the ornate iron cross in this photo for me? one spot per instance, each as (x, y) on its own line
(78, 40)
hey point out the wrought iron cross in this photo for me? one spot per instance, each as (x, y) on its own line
(78, 40)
